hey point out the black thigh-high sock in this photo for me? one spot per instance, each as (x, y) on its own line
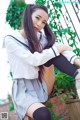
(63, 65)
(42, 113)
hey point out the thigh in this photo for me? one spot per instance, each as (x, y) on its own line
(28, 118)
(34, 107)
(49, 77)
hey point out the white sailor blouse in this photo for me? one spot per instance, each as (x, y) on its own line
(25, 64)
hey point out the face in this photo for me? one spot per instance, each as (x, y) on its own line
(39, 18)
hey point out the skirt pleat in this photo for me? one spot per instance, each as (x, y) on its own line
(27, 92)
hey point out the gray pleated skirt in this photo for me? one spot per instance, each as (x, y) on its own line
(26, 92)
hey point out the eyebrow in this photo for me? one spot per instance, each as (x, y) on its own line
(41, 17)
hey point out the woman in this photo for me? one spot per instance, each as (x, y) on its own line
(27, 58)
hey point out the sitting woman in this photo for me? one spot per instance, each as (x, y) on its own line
(28, 54)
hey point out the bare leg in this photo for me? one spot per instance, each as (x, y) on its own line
(65, 66)
(27, 118)
(34, 107)
(49, 77)
(39, 112)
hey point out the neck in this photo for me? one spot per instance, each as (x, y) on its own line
(22, 33)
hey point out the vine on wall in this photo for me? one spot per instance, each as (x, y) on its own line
(55, 12)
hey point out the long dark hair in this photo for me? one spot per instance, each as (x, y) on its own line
(31, 34)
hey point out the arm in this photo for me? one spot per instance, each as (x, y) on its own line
(71, 56)
(36, 58)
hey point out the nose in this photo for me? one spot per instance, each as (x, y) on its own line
(39, 23)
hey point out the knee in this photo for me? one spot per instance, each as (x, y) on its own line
(42, 114)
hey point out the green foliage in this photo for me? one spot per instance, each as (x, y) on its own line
(40, 2)
(77, 51)
(9, 98)
(64, 83)
(14, 13)
(55, 12)
(64, 86)
(53, 116)
(11, 107)
(11, 75)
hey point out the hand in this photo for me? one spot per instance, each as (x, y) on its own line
(77, 61)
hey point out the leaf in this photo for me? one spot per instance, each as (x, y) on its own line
(59, 117)
(11, 74)
(58, 16)
(11, 107)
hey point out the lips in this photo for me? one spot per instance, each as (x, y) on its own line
(36, 29)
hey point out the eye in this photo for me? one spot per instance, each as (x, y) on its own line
(44, 23)
(37, 18)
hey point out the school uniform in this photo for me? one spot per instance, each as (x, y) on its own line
(27, 89)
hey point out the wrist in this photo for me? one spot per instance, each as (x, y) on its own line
(60, 49)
